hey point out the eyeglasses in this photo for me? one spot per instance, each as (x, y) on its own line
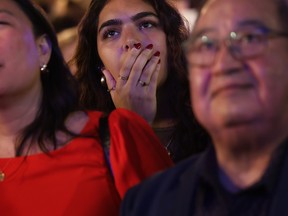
(246, 44)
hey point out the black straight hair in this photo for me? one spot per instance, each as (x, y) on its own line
(59, 88)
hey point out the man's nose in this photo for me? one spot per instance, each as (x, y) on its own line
(225, 59)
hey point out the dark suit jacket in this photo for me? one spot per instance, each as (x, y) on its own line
(171, 193)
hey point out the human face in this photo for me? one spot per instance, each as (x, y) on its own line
(136, 22)
(19, 60)
(232, 93)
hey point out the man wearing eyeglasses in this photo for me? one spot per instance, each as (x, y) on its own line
(238, 69)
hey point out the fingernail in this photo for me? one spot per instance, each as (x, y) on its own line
(137, 45)
(150, 46)
(157, 53)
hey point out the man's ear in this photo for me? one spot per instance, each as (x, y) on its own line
(44, 49)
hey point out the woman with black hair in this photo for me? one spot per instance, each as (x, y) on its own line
(51, 158)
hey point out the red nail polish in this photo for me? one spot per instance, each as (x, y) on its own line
(157, 53)
(150, 46)
(137, 45)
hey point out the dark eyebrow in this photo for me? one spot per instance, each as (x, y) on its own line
(110, 23)
(256, 23)
(142, 15)
(133, 18)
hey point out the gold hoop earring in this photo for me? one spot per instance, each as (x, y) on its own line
(103, 81)
(102, 78)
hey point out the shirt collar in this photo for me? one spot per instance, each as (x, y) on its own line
(210, 168)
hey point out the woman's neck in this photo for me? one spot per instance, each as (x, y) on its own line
(15, 114)
(15, 117)
(165, 115)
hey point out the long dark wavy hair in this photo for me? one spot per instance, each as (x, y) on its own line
(59, 88)
(188, 134)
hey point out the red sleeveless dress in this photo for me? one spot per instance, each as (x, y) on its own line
(75, 180)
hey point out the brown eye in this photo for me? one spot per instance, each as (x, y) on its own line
(147, 24)
(251, 38)
(110, 34)
(204, 44)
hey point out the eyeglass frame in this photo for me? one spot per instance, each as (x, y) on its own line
(230, 43)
